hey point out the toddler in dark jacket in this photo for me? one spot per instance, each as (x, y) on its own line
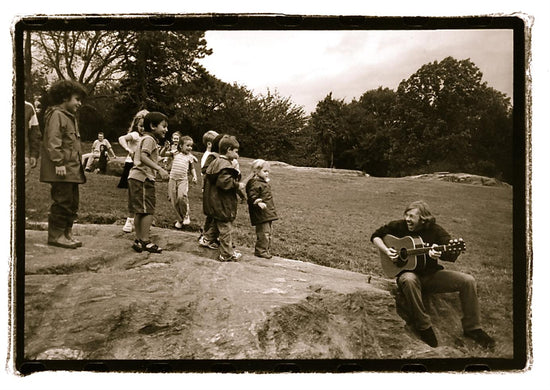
(261, 207)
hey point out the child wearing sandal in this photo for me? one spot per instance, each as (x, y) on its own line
(141, 180)
(261, 207)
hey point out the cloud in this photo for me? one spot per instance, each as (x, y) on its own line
(307, 65)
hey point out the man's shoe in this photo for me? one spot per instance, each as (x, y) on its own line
(62, 242)
(480, 337)
(428, 336)
(264, 255)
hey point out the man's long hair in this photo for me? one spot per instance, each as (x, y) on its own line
(425, 214)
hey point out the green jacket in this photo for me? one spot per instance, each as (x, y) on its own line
(61, 147)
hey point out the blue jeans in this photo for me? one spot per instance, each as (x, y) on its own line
(412, 286)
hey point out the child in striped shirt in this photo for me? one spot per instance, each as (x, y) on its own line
(178, 184)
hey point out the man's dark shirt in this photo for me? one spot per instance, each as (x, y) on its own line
(433, 234)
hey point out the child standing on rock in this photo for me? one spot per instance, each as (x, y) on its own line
(141, 180)
(178, 184)
(261, 207)
(221, 183)
(130, 142)
(61, 162)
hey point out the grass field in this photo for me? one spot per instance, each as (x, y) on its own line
(328, 219)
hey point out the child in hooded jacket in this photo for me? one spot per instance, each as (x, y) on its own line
(61, 162)
(221, 184)
(261, 207)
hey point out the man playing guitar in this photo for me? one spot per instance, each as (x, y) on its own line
(429, 276)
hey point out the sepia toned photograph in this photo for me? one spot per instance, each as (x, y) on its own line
(240, 193)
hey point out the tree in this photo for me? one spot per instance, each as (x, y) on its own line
(89, 57)
(159, 67)
(369, 123)
(438, 118)
(273, 122)
(327, 123)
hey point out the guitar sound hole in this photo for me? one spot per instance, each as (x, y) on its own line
(402, 260)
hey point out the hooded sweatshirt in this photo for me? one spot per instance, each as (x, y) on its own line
(221, 183)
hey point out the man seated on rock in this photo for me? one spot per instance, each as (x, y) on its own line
(430, 277)
(89, 159)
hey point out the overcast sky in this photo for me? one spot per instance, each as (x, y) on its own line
(307, 65)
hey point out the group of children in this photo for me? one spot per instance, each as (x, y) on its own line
(222, 187)
(63, 167)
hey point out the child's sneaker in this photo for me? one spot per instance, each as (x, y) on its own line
(128, 226)
(178, 225)
(207, 244)
(186, 220)
(150, 247)
(234, 257)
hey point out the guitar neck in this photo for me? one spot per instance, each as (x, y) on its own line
(421, 251)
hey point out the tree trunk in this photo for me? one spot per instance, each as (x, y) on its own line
(27, 60)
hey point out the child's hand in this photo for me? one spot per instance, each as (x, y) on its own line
(163, 174)
(262, 205)
(61, 171)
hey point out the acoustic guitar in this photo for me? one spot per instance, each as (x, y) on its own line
(412, 253)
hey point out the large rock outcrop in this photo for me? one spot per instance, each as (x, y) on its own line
(105, 301)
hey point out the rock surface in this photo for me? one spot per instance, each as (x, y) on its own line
(464, 178)
(105, 301)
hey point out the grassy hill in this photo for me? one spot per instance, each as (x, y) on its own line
(327, 218)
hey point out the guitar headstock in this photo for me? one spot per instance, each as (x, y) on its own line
(456, 245)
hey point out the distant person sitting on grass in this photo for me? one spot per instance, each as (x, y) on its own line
(90, 158)
(222, 181)
(430, 277)
(261, 207)
(102, 161)
(61, 163)
(178, 184)
(141, 180)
